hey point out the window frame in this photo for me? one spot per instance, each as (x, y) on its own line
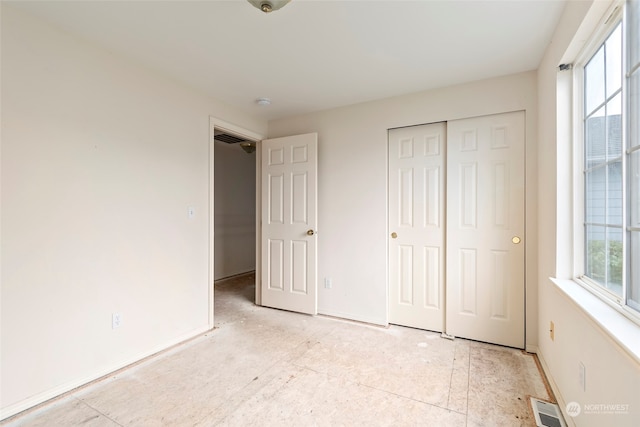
(614, 16)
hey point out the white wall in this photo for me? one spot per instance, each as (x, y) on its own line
(235, 210)
(352, 186)
(100, 161)
(612, 375)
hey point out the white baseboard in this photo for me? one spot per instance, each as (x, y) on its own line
(40, 398)
(562, 404)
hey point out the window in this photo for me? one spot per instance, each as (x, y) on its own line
(633, 152)
(611, 161)
(603, 164)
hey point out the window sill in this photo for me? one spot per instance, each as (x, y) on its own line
(624, 331)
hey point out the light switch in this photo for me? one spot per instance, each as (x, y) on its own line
(192, 212)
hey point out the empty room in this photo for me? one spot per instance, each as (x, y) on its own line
(309, 212)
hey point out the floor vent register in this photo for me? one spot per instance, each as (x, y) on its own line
(547, 414)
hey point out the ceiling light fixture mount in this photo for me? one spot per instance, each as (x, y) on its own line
(248, 147)
(268, 6)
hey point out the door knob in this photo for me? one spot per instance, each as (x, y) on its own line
(516, 240)
(394, 235)
(310, 232)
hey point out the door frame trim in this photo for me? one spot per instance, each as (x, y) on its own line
(216, 123)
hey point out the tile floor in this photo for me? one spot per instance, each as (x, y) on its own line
(268, 367)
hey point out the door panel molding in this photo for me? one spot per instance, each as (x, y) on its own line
(456, 199)
(485, 269)
(289, 223)
(416, 212)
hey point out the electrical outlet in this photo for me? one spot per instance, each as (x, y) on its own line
(328, 283)
(552, 331)
(582, 376)
(116, 320)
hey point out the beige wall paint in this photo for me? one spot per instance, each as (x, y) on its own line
(352, 186)
(100, 161)
(613, 376)
(235, 210)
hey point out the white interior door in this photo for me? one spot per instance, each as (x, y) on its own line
(416, 224)
(485, 229)
(289, 216)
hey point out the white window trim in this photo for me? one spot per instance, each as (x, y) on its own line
(590, 49)
(607, 310)
(606, 27)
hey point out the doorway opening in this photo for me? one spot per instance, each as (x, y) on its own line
(234, 213)
(233, 206)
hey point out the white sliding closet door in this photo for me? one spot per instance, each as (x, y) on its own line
(416, 224)
(456, 224)
(485, 229)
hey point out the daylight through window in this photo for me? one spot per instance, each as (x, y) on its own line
(611, 108)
